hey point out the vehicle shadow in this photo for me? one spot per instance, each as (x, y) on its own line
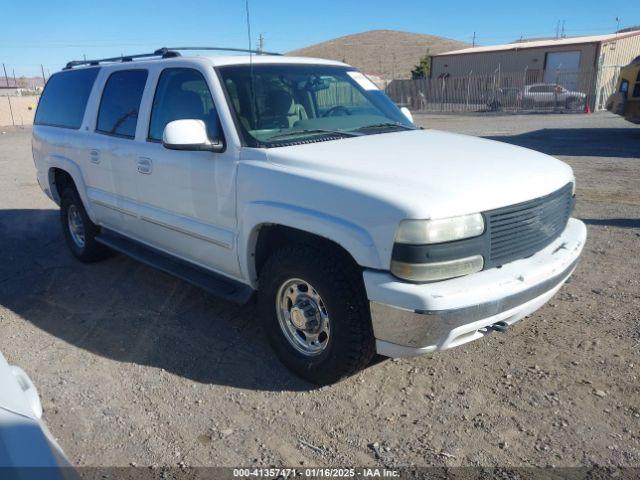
(125, 311)
(614, 222)
(580, 142)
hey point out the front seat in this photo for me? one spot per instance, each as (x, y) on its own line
(281, 111)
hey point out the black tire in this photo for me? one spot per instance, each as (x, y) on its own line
(572, 104)
(495, 106)
(350, 346)
(527, 104)
(91, 250)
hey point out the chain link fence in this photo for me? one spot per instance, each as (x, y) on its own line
(525, 91)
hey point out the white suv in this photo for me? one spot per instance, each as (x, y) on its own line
(298, 179)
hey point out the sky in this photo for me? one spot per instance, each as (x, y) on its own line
(52, 32)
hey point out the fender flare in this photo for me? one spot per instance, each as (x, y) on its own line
(73, 169)
(353, 238)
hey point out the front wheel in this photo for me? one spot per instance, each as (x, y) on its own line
(316, 314)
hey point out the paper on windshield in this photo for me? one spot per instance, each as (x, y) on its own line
(363, 81)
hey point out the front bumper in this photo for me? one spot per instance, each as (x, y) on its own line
(411, 319)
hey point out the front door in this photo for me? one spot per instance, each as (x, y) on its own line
(187, 198)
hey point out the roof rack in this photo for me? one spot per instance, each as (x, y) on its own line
(163, 52)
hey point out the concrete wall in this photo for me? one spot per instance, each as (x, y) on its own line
(24, 109)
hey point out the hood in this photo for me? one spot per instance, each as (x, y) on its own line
(428, 173)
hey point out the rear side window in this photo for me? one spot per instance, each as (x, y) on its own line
(118, 114)
(65, 98)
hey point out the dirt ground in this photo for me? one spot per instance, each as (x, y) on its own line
(136, 367)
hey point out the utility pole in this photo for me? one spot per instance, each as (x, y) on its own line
(15, 82)
(6, 79)
(474, 39)
(260, 42)
(617, 24)
(557, 29)
(563, 35)
(44, 79)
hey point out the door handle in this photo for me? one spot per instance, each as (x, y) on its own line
(145, 165)
(94, 156)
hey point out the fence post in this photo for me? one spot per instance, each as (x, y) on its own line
(469, 88)
(13, 122)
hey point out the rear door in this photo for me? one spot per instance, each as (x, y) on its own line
(112, 159)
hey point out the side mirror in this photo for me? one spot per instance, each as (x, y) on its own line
(407, 113)
(189, 135)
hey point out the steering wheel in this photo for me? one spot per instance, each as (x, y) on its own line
(333, 111)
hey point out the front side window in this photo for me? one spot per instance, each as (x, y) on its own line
(121, 97)
(181, 94)
(275, 105)
(636, 88)
(65, 97)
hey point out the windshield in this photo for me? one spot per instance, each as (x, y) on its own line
(288, 104)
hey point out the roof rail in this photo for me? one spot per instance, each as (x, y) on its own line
(163, 52)
(224, 49)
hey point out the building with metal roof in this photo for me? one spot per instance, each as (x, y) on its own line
(589, 64)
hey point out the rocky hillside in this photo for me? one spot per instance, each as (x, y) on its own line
(386, 53)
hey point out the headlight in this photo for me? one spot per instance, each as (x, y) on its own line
(430, 272)
(422, 232)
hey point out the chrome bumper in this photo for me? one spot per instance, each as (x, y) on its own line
(446, 314)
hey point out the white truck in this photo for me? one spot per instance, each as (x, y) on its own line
(296, 179)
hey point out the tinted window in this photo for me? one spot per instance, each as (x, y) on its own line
(182, 93)
(120, 103)
(65, 98)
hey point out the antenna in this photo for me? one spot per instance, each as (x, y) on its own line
(253, 89)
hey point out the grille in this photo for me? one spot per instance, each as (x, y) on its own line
(518, 231)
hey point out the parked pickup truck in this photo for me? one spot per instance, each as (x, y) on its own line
(296, 179)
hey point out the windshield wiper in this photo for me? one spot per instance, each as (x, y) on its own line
(314, 131)
(384, 125)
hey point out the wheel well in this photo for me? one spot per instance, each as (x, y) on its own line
(59, 180)
(273, 237)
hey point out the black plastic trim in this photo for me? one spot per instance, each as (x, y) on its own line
(212, 282)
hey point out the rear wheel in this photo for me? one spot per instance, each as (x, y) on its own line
(315, 313)
(78, 229)
(572, 104)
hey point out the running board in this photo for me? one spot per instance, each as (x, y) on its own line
(212, 282)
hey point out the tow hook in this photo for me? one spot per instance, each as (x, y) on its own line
(499, 327)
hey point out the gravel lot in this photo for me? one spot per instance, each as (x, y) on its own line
(136, 367)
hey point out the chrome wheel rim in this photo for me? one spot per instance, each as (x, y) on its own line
(303, 317)
(76, 225)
